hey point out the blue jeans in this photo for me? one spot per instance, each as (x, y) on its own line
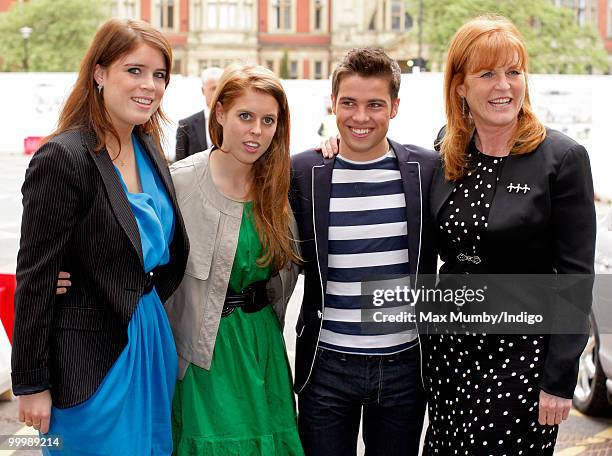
(388, 388)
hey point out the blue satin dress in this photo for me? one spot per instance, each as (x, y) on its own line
(129, 414)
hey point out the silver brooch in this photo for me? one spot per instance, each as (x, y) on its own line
(473, 259)
(517, 188)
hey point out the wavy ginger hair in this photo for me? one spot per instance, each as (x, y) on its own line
(271, 171)
(484, 42)
(84, 107)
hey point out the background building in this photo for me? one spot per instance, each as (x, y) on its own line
(377, 23)
(294, 37)
(299, 39)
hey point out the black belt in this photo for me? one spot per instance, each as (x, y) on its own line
(252, 299)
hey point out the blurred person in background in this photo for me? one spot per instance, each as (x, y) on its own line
(192, 134)
(97, 365)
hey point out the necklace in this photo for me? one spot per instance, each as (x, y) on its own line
(121, 162)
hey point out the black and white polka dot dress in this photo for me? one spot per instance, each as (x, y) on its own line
(482, 389)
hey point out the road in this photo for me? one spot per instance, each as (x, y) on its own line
(578, 436)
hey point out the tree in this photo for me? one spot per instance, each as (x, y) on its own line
(61, 33)
(556, 44)
(284, 66)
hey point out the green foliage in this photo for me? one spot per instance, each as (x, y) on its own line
(284, 66)
(61, 33)
(556, 44)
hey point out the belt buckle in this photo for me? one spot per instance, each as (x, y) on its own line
(250, 307)
(227, 311)
(472, 259)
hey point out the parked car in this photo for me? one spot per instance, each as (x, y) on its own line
(593, 394)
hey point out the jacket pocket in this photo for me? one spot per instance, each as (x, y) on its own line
(84, 319)
(202, 225)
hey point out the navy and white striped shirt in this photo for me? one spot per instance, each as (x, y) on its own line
(368, 239)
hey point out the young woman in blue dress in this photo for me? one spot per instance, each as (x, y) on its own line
(97, 365)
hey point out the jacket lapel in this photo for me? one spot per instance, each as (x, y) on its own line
(160, 164)
(321, 192)
(200, 127)
(411, 181)
(441, 190)
(115, 192)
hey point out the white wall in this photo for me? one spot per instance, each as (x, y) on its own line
(577, 105)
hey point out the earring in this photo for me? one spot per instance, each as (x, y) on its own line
(100, 87)
(463, 107)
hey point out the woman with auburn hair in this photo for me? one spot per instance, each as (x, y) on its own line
(510, 197)
(96, 365)
(234, 393)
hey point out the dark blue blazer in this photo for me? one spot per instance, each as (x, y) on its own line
(309, 196)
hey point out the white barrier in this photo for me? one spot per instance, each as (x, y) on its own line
(580, 106)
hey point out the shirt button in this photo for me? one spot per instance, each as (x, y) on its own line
(319, 314)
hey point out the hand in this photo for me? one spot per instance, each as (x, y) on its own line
(553, 409)
(330, 147)
(63, 283)
(35, 410)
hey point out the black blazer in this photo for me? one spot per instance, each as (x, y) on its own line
(309, 196)
(77, 218)
(191, 135)
(550, 229)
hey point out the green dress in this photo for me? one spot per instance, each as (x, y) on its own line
(243, 405)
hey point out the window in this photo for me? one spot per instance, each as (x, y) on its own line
(408, 21)
(293, 69)
(396, 15)
(229, 14)
(318, 15)
(196, 17)
(270, 64)
(281, 15)
(124, 8)
(163, 13)
(130, 9)
(318, 69)
(372, 24)
(247, 16)
(177, 66)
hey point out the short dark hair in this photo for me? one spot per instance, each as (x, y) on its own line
(368, 62)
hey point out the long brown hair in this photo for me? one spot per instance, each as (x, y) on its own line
(271, 171)
(84, 107)
(483, 42)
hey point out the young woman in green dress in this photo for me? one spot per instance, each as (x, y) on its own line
(234, 393)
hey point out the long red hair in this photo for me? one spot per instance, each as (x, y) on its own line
(84, 107)
(483, 42)
(271, 172)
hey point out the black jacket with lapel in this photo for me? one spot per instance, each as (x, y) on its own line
(549, 229)
(309, 197)
(191, 135)
(77, 218)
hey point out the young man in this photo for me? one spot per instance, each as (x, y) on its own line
(192, 132)
(362, 214)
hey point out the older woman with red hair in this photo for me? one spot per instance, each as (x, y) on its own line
(504, 393)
